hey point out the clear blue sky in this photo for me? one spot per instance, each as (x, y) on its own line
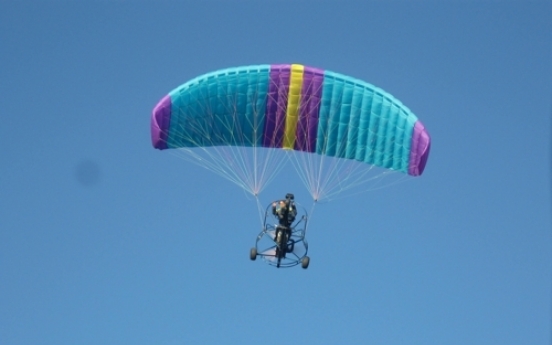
(104, 240)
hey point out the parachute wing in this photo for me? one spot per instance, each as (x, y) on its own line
(294, 108)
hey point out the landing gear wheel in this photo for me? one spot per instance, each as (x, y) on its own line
(253, 254)
(305, 262)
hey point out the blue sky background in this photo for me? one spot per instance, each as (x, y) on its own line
(104, 240)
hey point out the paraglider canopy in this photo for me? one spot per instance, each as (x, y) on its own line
(235, 115)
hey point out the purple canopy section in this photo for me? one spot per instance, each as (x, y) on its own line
(311, 93)
(276, 105)
(160, 122)
(419, 150)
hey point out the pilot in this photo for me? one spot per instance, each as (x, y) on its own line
(285, 210)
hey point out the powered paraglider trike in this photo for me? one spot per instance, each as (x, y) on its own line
(282, 241)
(249, 123)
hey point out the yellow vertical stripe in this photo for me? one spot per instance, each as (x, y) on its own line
(294, 99)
